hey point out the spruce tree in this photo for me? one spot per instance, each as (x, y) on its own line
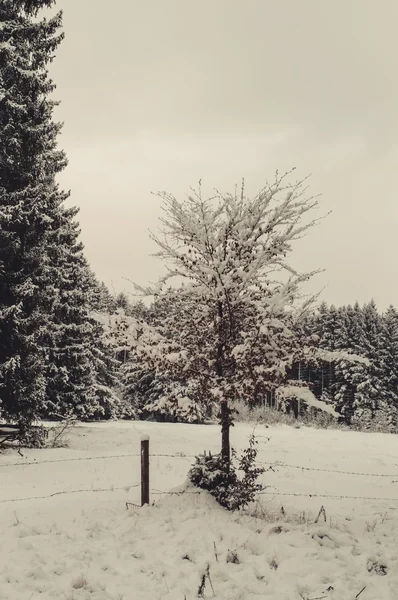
(390, 365)
(71, 375)
(29, 201)
(373, 350)
(48, 339)
(105, 301)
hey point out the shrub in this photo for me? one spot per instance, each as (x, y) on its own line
(178, 405)
(32, 437)
(271, 416)
(211, 473)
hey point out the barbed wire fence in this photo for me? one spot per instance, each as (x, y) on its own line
(146, 490)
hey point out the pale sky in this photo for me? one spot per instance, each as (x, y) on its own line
(157, 94)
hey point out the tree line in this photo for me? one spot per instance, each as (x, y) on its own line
(360, 391)
(347, 356)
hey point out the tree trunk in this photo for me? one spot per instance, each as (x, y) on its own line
(220, 345)
(225, 426)
(225, 421)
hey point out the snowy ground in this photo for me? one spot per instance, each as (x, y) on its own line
(86, 545)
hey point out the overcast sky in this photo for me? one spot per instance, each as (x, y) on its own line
(157, 94)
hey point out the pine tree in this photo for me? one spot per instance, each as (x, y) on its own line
(71, 374)
(122, 301)
(319, 320)
(390, 365)
(29, 201)
(47, 357)
(107, 394)
(356, 329)
(103, 300)
(339, 376)
(342, 326)
(376, 398)
(331, 328)
(82, 375)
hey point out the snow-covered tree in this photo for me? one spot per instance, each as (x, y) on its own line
(389, 343)
(29, 201)
(122, 301)
(359, 343)
(155, 378)
(356, 332)
(231, 252)
(81, 368)
(46, 358)
(125, 336)
(103, 300)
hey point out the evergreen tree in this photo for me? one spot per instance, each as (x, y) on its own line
(356, 329)
(376, 397)
(339, 377)
(47, 358)
(342, 341)
(390, 364)
(29, 202)
(331, 327)
(122, 301)
(364, 387)
(319, 320)
(139, 311)
(103, 301)
(107, 393)
(71, 371)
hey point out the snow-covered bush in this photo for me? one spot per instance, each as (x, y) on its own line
(32, 436)
(245, 413)
(231, 491)
(176, 408)
(179, 403)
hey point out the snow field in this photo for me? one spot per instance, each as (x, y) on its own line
(86, 545)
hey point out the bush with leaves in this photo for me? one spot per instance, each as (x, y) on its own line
(232, 492)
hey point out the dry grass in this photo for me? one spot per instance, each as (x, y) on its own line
(319, 420)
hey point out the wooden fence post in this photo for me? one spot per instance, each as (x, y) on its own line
(225, 426)
(144, 469)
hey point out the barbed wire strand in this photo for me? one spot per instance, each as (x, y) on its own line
(111, 489)
(328, 470)
(190, 456)
(335, 497)
(156, 491)
(61, 460)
